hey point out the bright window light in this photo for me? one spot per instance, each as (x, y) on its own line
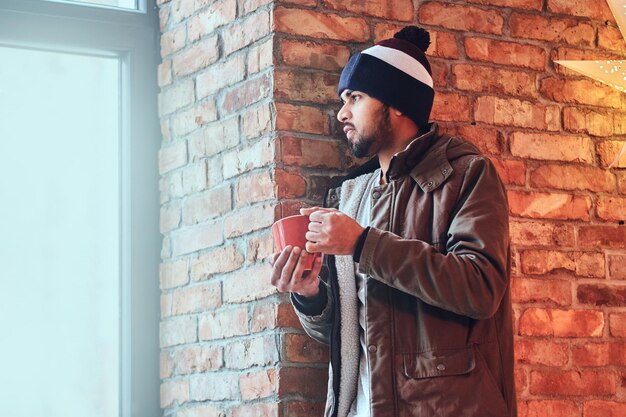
(60, 229)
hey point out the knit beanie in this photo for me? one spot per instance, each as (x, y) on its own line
(396, 72)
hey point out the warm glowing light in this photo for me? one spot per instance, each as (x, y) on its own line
(614, 74)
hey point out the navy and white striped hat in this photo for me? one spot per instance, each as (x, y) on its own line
(396, 72)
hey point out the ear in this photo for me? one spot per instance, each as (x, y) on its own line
(396, 111)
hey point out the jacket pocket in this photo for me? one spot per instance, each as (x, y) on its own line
(449, 383)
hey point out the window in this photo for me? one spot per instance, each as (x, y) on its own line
(79, 304)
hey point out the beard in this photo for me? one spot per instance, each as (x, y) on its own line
(361, 145)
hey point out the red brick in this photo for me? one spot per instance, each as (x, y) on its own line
(166, 364)
(608, 151)
(301, 348)
(541, 262)
(209, 205)
(173, 274)
(165, 73)
(173, 40)
(178, 331)
(601, 295)
(223, 324)
(610, 37)
(611, 208)
(255, 410)
(621, 182)
(549, 205)
(196, 58)
(440, 73)
(302, 381)
(617, 266)
(494, 80)
(254, 188)
(200, 411)
(443, 45)
(176, 97)
(246, 31)
(255, 385)
(185, 122)
(196, 238)
(260, 247)
(602, 236)
(214, 386)
(617, 324)
(245, 94)
(256, 121)
(513, 112)
(506, 53)
(552, 29)
(552, 408)
(306, 54)
(525, 290)
(392, 9)
(196, 298)
(301, 119)
(250, 284)
(488, 140)
(588, 121)
(572, 177)
(216, 261)
(599, 408)
(249, 353)
(561, 323)
(458, 17)
(525, 233)
(593, 9)
(305, 409)
(599, 354)
(194, 359)
(582, 91)
(181, 10)
(248, 6)
(450, 107)
(289, 184)
(516, 4)
(286, 317)
(257, 217)
(552, 147)
(310, 153)
(258, 154)
(511, 171)
(573, 383)
(260, 57)
(264, 317)
(205, 22)
(313, 87)
(541, 352)
(220, 75)
(320, 25)
(174, 392)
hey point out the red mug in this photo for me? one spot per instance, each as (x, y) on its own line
(291, 231)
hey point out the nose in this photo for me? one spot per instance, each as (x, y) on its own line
(343, 114)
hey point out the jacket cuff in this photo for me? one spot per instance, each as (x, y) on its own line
(311, 306)
(369, 248)
(356, 256)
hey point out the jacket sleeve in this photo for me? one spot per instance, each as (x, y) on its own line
(471, 278)
(315, 314)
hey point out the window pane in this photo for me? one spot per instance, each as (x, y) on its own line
(122, 4)
(60, 239)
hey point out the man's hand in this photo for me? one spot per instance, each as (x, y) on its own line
(331, 231)
(288, 274)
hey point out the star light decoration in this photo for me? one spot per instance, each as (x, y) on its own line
(610, 72)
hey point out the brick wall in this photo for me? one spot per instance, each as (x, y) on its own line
(248, 108)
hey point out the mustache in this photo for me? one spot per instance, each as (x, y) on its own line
(348, 124)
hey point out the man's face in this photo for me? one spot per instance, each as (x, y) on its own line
(366, 123)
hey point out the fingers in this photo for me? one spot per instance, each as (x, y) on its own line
(288, 270)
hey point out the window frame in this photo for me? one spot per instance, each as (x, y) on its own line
(133, 37)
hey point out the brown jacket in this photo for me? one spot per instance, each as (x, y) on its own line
(438, 309)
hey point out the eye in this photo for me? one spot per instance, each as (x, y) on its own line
(355, 98)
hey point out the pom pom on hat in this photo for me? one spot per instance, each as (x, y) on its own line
(396, 72)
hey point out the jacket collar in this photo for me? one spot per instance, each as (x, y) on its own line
(424, 159)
